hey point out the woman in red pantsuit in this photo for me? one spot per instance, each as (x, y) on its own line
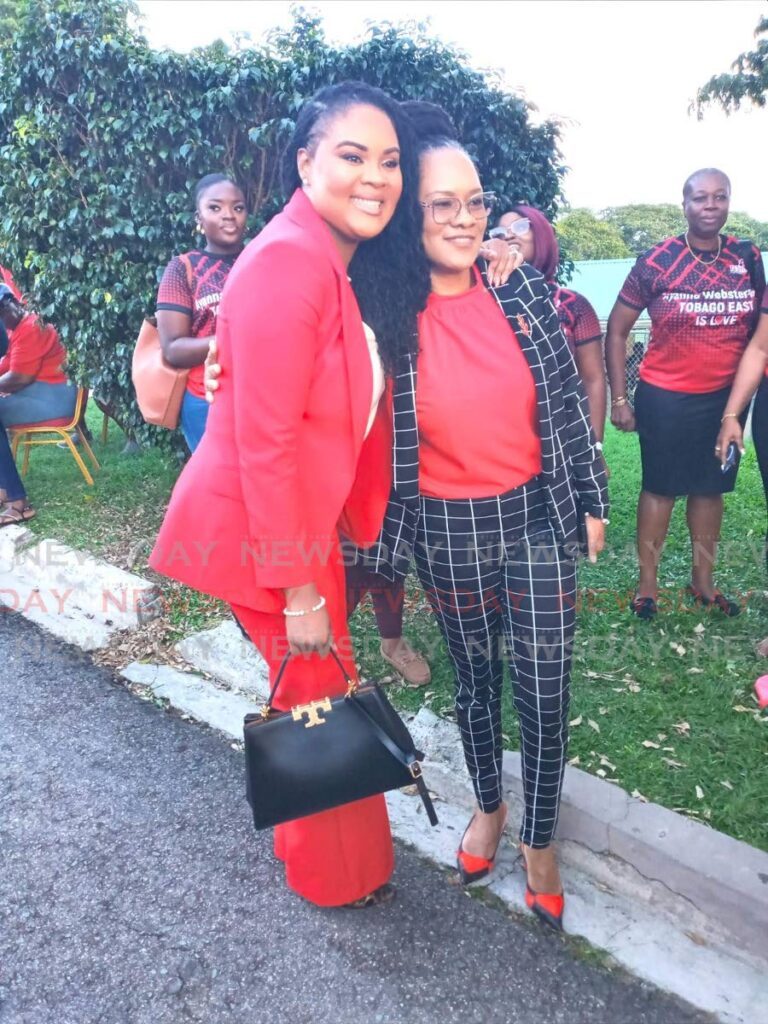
(296, 446)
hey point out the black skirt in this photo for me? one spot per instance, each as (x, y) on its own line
(678, 432)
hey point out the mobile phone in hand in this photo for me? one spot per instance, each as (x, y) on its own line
(730, 458)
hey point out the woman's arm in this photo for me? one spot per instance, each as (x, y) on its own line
(584, 459)
(589, 362)
(12, 382)
(620, 323)
(748, 376)
(180, 349)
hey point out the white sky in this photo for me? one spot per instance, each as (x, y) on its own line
(622, 72)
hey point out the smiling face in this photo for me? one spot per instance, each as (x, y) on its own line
(221, 213)
(706, 204)
(352, 175)
(525, 243)
(451, 248)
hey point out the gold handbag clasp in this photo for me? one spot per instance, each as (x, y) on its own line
(312, 711)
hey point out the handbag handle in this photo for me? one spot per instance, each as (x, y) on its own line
(352, 686)
(410, 759)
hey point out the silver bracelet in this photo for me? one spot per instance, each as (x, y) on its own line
(305, 611)
(599, 445)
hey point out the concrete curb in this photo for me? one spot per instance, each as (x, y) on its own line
(725, 879)
(73, 595)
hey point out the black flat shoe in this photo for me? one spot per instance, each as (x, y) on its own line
(644, 608)
(729, 608)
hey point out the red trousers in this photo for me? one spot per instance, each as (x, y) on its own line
(340, 855)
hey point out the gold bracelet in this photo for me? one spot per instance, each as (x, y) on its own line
(621, 400)
(729, 416)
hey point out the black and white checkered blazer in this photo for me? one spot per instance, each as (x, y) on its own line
(572, 471)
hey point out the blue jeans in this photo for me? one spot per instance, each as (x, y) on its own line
(10, 481)
(194, 416)
(38, 402)
(33, 404)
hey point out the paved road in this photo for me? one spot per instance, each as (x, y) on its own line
(133, 890)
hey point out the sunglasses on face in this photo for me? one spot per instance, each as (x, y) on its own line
(516, 229)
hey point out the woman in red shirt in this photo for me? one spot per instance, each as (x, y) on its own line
(190, 291)
(33, 388)
(494, 467)
(701, 290)
(529, 231)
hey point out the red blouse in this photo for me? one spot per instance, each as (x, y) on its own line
(475, 400)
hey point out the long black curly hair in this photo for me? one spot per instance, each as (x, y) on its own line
(389, 273)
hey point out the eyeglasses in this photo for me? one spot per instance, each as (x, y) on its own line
(517, 227)
(446, 209)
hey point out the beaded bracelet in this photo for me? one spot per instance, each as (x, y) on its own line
(304, 611)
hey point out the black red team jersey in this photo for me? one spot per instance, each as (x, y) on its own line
(701, 315)
(578, 320)
(196, 291)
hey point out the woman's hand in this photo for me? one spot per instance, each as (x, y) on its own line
(730, 432)
(502, 260)
(212, 371)
(309, 633)
(595, 537)
(623, 417)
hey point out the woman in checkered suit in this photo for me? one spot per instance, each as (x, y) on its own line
(495, 474)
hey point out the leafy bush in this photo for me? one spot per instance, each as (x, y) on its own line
(103, 139)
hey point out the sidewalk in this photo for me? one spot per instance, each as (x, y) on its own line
(677, 903)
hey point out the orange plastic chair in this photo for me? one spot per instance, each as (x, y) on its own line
(31, 435)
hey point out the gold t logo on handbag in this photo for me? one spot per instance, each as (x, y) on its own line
(312, 711)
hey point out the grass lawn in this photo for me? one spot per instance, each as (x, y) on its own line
(664, 709)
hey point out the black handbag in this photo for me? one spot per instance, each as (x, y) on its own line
(326, 753)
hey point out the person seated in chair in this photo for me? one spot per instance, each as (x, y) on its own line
(33, 389)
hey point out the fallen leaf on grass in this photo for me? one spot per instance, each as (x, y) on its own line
(575, 760)
(650, 744)
(696, 671)
(576, 721)
(661, 736)
(633, 688)
(726, 783)
(602, 711)
(699, 793)
(672, 764)
(677, 647)
(682, 727)
(699, 629)
(742, 710)
(607, 764)
(639, 796)
(593, 724)
(601, 773)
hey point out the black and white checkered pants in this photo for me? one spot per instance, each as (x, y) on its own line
(502, 589)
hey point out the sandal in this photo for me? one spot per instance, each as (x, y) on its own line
(12, 516)
(644, 608)
(384, 894)
(409, 664)
(729, 608)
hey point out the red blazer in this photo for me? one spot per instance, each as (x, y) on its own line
(282, 460)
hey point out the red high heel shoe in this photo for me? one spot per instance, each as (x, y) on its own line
(547, 906)
(471, 867)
